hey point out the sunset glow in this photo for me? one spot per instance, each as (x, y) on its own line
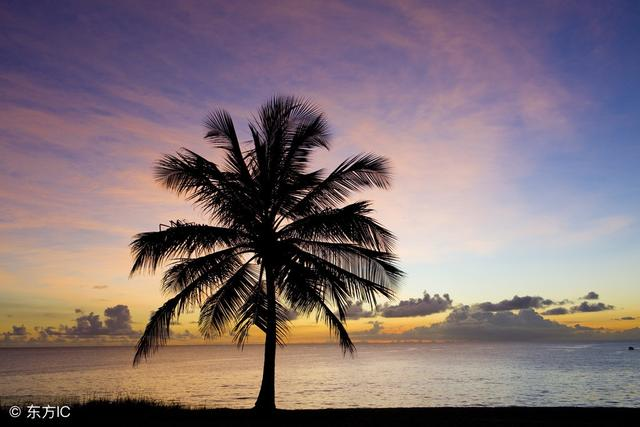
(512, 133)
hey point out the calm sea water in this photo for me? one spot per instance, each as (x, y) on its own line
(317, 376)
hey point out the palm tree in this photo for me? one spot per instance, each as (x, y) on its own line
(280, 236)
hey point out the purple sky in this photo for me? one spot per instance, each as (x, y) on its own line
(512, 128)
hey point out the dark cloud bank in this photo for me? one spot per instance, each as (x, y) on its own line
(466, 323)
(584, 307)
(516, 303)
(406, 308)
(116, 325)
(427, 305)
(418, 306)
(515, 319)
(88, 328)
(485, 321)
(16, 331)
(499, 321)
(357, 310)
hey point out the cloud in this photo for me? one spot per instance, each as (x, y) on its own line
(100, 287)
(17, 331)
(406, 308)
(118, 320)
(376, 329)
(355, 310)
(17, 334)
(516, 303)
(585, 307)
(468, 323)
(87, 325)
(591, 295)
(418, 306)
(556, 311)
(117, 324)
(292, 314)
(46, 334)
(626, 318)
(184, 335)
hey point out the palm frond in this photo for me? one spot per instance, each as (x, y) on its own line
(157, 331)
(354, 174)
(219, 310)
(181, 239)
(285, 129)
(355, 278)
(223, 195)
(306, 294)
(222, 133)
(378, 266)
(293, 181)
(337, 328)
(307, 130)
(214, 268)
(186, 172)
(347, 224)
(254, 312)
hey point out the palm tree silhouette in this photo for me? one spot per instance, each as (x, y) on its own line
(283, 237)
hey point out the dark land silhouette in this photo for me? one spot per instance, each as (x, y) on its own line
(136, 412)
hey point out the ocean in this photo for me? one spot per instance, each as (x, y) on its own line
(318, 376)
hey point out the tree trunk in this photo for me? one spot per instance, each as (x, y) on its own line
(267, 398)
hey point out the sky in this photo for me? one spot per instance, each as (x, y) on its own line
(512, 127)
